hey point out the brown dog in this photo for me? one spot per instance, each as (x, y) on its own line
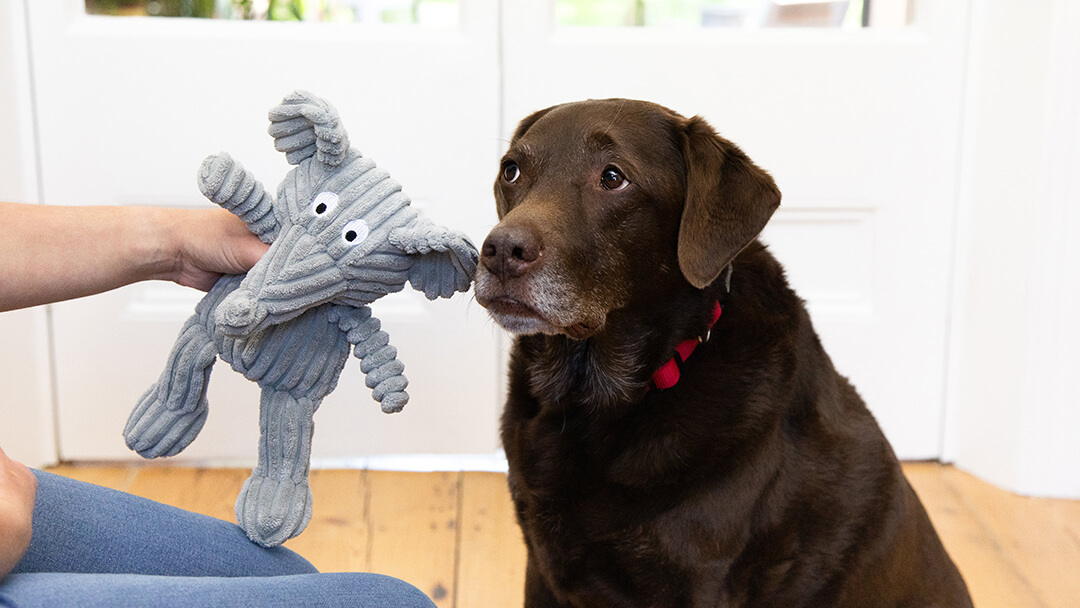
(751, 474)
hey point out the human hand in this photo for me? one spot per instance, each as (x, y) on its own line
(210, 243)
(18, 489)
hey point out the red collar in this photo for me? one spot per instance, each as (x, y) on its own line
(668, 374)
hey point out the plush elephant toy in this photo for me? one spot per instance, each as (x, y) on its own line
(342, 234)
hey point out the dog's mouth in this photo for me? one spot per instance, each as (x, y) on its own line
(539, 305)
(520, 318)
(505, 306)
(516, 316)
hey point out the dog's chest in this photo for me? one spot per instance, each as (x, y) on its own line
(586, 528)
(587, 374)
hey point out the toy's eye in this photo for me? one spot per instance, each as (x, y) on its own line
(324, 203)
(354, 232)
(510, 172)
(612, 179)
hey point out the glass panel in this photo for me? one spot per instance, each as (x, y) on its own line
(435, 13)
(733, 13)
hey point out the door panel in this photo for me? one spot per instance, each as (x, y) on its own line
(127, 109)
(860, 130)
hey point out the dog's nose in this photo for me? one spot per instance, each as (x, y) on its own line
(510, 251)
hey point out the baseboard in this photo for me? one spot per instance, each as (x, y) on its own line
(494, 462)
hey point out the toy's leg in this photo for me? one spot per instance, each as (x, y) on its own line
(384, 374)
(275, 503)
(172, 412)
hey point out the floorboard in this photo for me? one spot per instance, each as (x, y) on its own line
(337, 538)
(454, 536)
(491, 556)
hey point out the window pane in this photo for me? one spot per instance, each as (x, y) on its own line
(436, 13)
(733, 13)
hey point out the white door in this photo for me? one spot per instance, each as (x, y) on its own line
(127, 108)
(859, 128)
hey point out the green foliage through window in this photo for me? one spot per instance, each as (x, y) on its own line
(439, 13)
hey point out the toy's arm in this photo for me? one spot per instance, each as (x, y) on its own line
(446, 259)
(228, 184)
(384, 374)
(304, 125)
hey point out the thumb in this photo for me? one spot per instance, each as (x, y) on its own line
(249, 250)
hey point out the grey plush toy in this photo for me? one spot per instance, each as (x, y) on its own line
(342, 235)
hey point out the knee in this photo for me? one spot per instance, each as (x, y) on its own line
(408, 596)
(380, 590)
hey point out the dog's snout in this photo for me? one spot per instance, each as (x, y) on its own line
(511, 251)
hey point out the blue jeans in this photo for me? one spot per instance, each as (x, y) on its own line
(93, 546)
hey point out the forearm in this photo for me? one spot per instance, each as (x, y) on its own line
(51, 253)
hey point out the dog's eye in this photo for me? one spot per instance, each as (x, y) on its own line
(611, 179)
(510, 172)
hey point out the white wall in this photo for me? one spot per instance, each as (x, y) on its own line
(1014, 391)
(26, 420)
(18, 176)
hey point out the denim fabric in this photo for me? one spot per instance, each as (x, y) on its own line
(345, 589)
(92, 546)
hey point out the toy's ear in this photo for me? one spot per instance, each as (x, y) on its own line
(445, 259)
(304, 125)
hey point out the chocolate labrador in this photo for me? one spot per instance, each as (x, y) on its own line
(676, 434)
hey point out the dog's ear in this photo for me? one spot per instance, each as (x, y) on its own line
(728, 201)
(527, 122)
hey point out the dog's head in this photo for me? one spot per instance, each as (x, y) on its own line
(608, 204)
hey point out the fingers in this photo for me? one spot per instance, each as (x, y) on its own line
(214, 242)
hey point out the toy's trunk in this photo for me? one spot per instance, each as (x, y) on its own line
(294, 275)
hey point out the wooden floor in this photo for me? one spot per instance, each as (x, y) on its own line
(453, 534)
